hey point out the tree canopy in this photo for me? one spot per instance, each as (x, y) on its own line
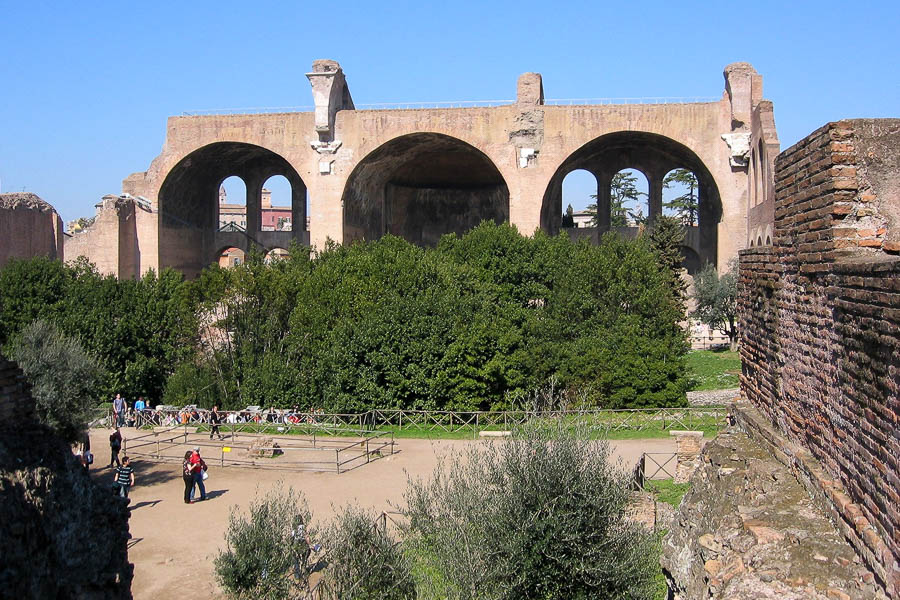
(474, 323)
(716, 298)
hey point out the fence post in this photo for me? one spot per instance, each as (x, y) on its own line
(223, 456)
(392, 442)
(157, 448)
(401, 420)
(367, 450)
(337, 460)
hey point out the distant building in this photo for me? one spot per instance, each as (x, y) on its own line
(232, 257)
(582, 219)
(274, 218)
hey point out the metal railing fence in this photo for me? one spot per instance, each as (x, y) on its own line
(287, 422)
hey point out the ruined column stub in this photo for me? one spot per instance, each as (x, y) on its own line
(530, 89)
(330, 94)
(744, 88)
(687, 446)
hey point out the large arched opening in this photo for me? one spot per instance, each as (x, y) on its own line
(420, 187)
(191, 231)
(654, 156)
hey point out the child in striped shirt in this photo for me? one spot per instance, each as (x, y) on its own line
(124, 477)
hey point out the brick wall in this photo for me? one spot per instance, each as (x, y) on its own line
(821, 324)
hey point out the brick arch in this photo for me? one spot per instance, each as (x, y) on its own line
(652, 154)
(188, 203)
(420, 186)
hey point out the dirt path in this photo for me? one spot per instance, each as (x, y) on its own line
(173, 542)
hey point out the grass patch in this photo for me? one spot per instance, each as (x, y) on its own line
(713, 369)
(666, 490)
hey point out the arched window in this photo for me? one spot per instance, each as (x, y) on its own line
(275, 205)
(232, 207)
(681, 196)
(231, 257)
(276, 254)
(579, 200)
(628, 199)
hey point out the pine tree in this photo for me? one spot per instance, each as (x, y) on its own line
(685, 205)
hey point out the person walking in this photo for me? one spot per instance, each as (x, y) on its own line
(119, 410)
(198, 468)
(124, 477)
(115, 444)
(187, 475)
(214, 420)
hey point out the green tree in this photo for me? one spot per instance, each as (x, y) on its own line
(267, 551)
(622, 191)
(541, 516)
(366, 563)
(666, 239)
(716, 298)
(685, 205)
(64, 378)
(568, 218)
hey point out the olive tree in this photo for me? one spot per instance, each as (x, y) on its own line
(365, 561)
(64, 377)
(268, 550)
(538, 516)
(716, 298)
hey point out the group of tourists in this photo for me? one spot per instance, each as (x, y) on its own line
(125, 415)
(194, 468)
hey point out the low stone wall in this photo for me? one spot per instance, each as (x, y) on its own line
(747, 528)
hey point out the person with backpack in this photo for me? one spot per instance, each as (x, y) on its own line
(115, 444)
(124, 478)
(187, 475)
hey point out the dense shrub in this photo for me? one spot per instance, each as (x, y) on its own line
(137, 329)
(267, 554)
(365, 562)
(538, 517)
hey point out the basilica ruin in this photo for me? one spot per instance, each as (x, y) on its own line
(422, 173)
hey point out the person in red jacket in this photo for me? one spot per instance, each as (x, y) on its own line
(198, 467)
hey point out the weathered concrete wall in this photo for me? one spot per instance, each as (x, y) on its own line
(61, 534)
(530, 145)
(28, 227)
(821, 324)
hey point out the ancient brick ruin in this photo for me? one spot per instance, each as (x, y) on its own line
(28, 227)
(821, 329)
(61, 534)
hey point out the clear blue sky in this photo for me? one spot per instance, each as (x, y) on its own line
(85, 88)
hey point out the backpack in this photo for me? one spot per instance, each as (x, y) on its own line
(115, 442)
